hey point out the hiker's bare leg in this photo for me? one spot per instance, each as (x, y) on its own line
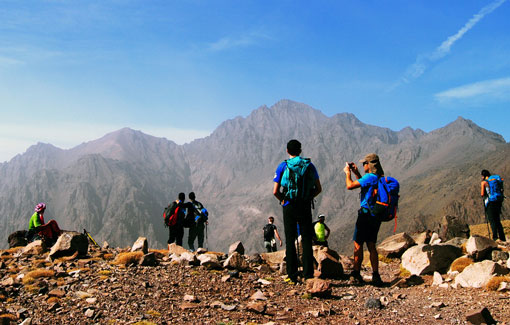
(358, 256)
(374, 257)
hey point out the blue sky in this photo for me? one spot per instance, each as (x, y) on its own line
(72, 71)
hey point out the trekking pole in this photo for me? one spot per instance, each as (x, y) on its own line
(88, 235)
(206, 239)
(486, 218)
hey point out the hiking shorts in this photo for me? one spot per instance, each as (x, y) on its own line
(367, 227)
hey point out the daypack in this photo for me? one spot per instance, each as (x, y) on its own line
(172, 213)
(202, 216)
(495, 188)
(386, 199)
(298, 180)
(269, 232)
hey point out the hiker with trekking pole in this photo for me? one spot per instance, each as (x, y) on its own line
(492, 192)
(196, 220)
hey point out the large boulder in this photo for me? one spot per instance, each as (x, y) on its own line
(425, 259)
(68, 243)
(141, 244)
(176, 249)
(480, 247)
(394, 246)
(236, 261)
(479, 274)
(17, 239)
(36, 247)
(422, 237)
(452, 226)
(236, 247)
(274, 258)
(328, 266)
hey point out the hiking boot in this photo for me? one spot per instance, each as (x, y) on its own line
(376, 280)
(356, 278)
(290, 281)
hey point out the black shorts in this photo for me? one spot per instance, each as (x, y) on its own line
(367, 227)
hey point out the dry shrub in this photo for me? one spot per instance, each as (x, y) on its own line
(386, 259)
(32, 288)
(8, 317)
(159, 253)
(6, 257)
(2, 297)
(103, 277)
(39, 263)
(128, 258)
(40, 273)
(28, 280)
(108, 257)
(404, 272)
(61, 282)
(52, 300)
(154, 313)
(105, 272)
(464, 249)
(460, 264)
(13, 250)
(66, 258)
(495, 282)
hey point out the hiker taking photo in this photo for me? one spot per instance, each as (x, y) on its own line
(270, 232)
(296, 183)
(367, 226)
(492, 191)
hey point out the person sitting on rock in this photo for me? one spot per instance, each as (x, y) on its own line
(38, 229)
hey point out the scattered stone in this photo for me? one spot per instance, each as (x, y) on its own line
(384, 301)
(176, 249)
(105, 245)
(318, 287)
(256, 307)
(236, 247)
(228, 307)
(328, 265)
(437, 279)
(413, 280)
(478, 275)
(91, 301)
(482, 316)
(498, 255)
(89, 313)
(209, 261)
(68, 243)
(504, 287)
(190, 258)
(17, 239)
(437, 305)
(148, 260)
(36, 247)
(479, 247)
(434, 239)
(225, 278)
(422, 237)
(188, 305)
(258, 296)
(56, 293)
(457, 241)
(453, 226)
(140, 245)
(264, 268)
(190, 298)
(264, 282)
(7, 282)
(423, 259)
(27, 321)
(373, 303)
(236, 261)
(201, 250)
(273, 258)
(394, 246)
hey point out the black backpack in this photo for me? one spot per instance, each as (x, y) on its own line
(269, 232)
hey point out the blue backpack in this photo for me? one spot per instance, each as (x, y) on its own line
(298, 182)
(495, 188)
(386, 199)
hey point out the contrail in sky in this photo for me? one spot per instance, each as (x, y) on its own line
(419, 67)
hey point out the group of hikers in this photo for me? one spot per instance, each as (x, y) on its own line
(296, 184)
(179, 215)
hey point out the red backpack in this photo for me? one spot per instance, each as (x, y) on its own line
(171, 214)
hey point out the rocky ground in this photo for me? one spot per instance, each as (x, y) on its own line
(94, 289)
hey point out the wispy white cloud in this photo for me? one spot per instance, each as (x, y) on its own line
(229, 42)
(496, 89)
(424, 60)
(16, 138)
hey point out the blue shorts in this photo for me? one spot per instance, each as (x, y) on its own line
(367, 228)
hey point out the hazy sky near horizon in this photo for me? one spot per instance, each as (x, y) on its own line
(72, 71)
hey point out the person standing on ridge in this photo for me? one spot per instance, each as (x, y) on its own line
(270, 232)
(492, 191)
(198, 221)
(176, 230)
(321, 231)
(367, 226)
(296, 184)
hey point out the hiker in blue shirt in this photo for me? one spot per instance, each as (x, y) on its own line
(296, 183)
(367, 226)
(493, 196)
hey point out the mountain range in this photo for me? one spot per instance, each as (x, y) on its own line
(117, 186)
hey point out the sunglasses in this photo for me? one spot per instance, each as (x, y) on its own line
(365, 163)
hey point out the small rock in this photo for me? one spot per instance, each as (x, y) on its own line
(481, 316)
(258, 296)
(236, 247)
(256, 307)
(373, 303)
(56, 293)
(264, 281)
(190, 298)
(225, 278)
(438, 279)
(228, 307)
(438, 316)
(318, 287)
(437, 305)
(140, 245)
(188, 305)
(91, 301)
(384, 301)
(27, 321)
(89, 313)
(201, 250)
